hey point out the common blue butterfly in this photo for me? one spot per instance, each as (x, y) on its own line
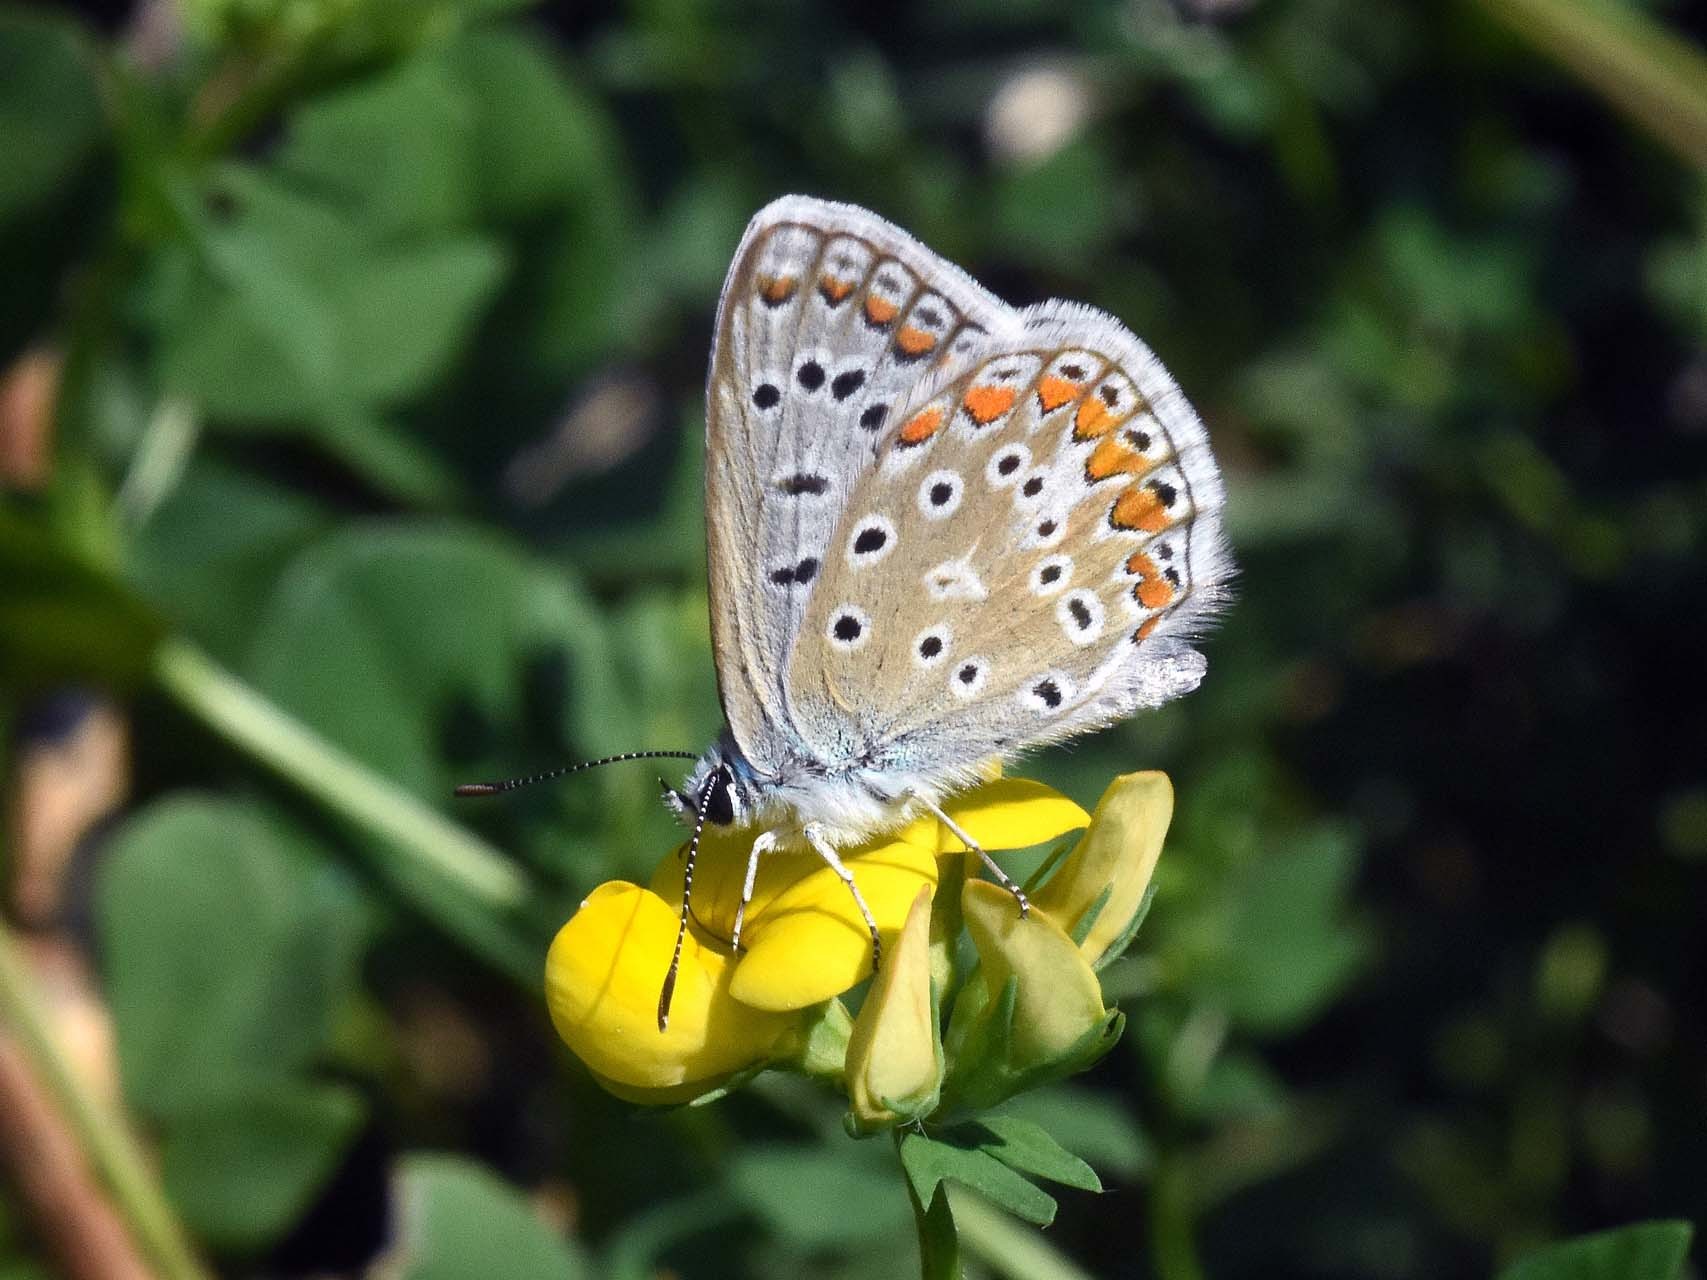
(940, 531)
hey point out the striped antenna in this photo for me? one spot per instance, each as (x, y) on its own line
(719, 777)
(511, 784)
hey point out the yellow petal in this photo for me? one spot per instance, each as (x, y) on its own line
(1058, 1000)
(1118, 854)
(894, 1055)
(1011, 813)
(810, 942)
(602, 979)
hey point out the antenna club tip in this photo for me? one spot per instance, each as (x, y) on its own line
(477, 789)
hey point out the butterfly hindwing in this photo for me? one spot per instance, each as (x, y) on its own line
(830, 320)
(1031, 553)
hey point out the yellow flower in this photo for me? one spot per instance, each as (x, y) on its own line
(1109, 870)
(803, 943)
(894, 1061)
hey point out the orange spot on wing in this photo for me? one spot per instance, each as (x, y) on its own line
(1112, 457)
(777, 290)
(1143, 632)
(1139, 508)
(1052, 393)
(880, 311)
(914, 342)
(1154, 593)
(1153, 590)
(835, 291)
(1093, 419)
(922, 426)
(985, 404)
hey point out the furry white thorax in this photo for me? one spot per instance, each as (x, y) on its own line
(845, 808)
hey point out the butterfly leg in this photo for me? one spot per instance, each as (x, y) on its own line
(765, 842)
(1002, 877)
(815, 837)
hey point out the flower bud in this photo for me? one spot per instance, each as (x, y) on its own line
(1034, 1010)
(894, 1061)
(1099, 889)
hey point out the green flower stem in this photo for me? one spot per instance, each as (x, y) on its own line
(101, 1133)
(1008, 1247)
(939, 1240)
(1173, 1238)
(340, 783)
(1653, 76)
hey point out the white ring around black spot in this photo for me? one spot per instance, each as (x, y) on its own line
(932, 645)
(849, 628)
(940, 494)
(1033, 489)
(1080, 614)
(1047, 529)
(872, 538)
(968, 676)
(1049, 694)
(1007, 465)
(1051, 574)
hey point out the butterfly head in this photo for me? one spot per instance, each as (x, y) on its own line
(726, 780)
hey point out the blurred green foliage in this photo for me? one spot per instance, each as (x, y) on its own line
(381, 331)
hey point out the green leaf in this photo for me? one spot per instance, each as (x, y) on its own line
(1028, 1148)
(939, 1242)
(460, 1220)
(929, 1160)
(229, 945)
(521, 92)
(402, 316)
(1645, 1251)
(61, 619)
(214, 548)
(819, 1197)
(51, 122)
(292, 314)
(396, 150)
(376, 634)
(1095, 1126)
(243, 1169)
(1280, 949)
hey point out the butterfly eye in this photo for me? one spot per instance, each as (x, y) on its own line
(930, 647)
(720, 805)
(1080, 615)
(873, 538)
(940, 494)
(967, 680)
(850, 628)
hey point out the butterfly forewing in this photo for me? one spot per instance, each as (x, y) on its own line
(830, 320)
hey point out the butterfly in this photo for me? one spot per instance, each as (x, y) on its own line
(940, 531)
